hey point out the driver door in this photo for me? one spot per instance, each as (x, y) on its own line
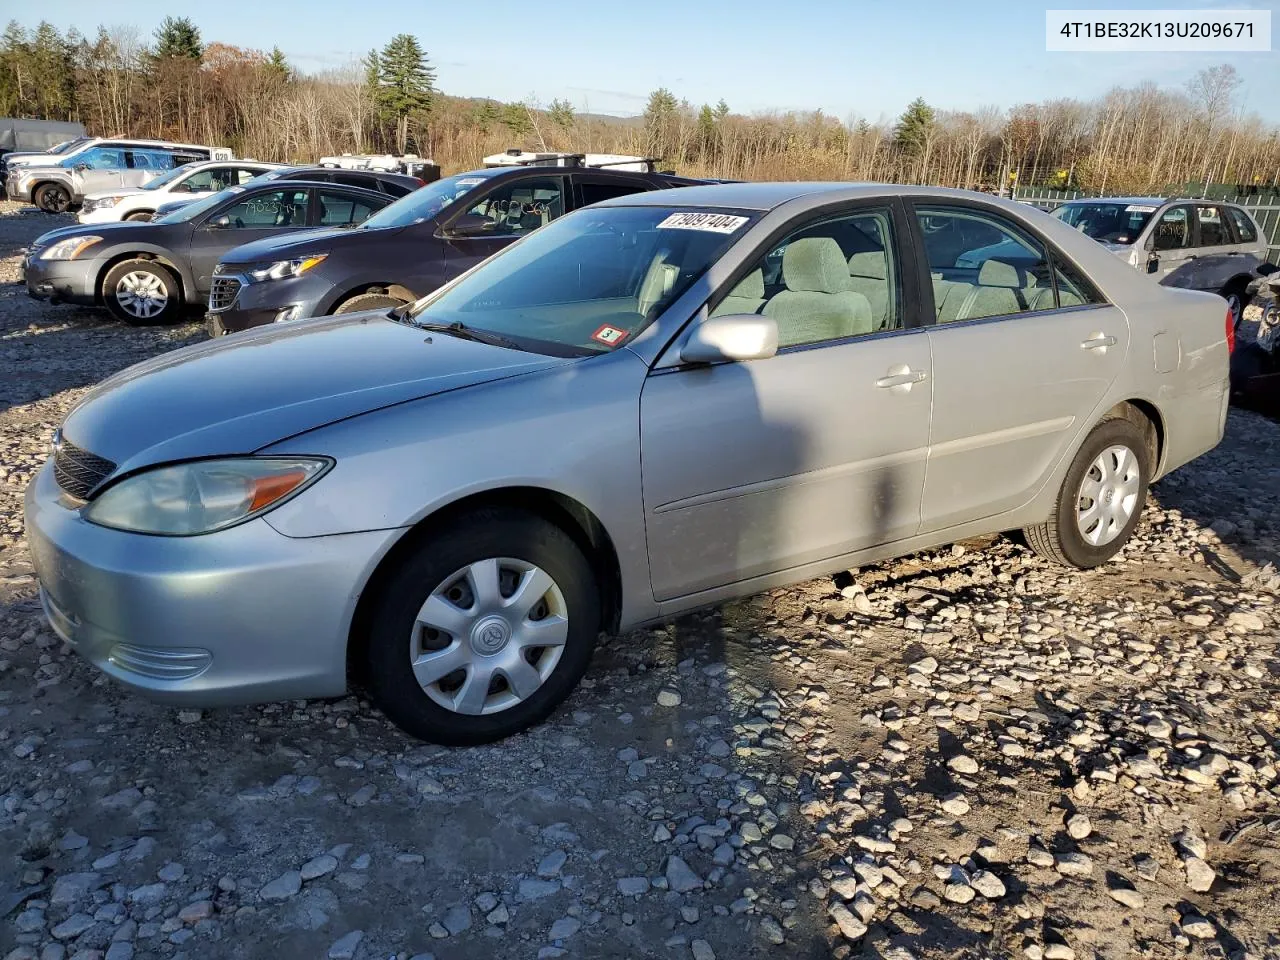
(1171, 247)
(243, 219)
(100, 170)
(499, 218)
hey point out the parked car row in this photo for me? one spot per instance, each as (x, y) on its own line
(657, 401)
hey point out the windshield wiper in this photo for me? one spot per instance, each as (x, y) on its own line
(460, 330)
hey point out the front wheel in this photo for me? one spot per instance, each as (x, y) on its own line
(483, 630)
(1101, 498)
(53, 198)
(1237, 297)
(142, 293)
(369, 301)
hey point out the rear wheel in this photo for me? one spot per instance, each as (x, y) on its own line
(142, 293)
(1101, 498)
(370, 301)
(484, 630)
(52, 198)
(1237, 298)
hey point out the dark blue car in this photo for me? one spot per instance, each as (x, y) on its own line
(409, 249)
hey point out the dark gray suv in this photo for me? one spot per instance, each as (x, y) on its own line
(410, 248)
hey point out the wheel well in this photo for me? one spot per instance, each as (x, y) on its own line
(163, 261)
(1146, 416)
(565, 512)
(1240, 281)
(390, 289)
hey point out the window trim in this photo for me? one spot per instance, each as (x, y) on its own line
(1053, 252)
(605, 178)
(1235, 209)
(352, 195)
(1231, 233)
(903, 251)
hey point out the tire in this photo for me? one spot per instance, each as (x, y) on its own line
(369, 301)
(442, 570)
(1062, 538)
(141, 215)
(142, 293)
(52, 198)
(1249, 361)
(1237, 297)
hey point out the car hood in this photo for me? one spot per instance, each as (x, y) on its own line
(237, 394)
(291, 245)
(110, 232)
(118, 192)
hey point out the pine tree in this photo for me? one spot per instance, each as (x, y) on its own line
(15, 71)
(178, 37)
(487, 115)
(406, 83)
(914, 127)
(659, 114)
(516, 119)
(707, 131)
(277, 66)
(561, 114)
(722, 111)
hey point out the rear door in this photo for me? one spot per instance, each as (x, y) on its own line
(512, 209)
(1023, 351)
(1218, 255)
(262, 213)
(1172, 246)
(345, 208)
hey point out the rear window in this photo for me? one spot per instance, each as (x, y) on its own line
(1245, 229)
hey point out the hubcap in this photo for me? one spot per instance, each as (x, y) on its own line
(489, 636)
(1108, 495)
(141, 294)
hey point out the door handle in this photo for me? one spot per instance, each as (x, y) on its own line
(1098, 342)
(900, 376)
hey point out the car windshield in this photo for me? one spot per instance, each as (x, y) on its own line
(174, 174)
(189, 211)
(424, 203)
(588, 282)
(68, 145)
(1120, 222)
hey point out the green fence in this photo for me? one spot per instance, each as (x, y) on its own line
(1264, 204)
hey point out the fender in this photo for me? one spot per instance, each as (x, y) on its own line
(165, 255)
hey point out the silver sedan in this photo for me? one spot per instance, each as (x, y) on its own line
(653, 404)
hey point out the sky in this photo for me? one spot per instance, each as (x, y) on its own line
(849, 58)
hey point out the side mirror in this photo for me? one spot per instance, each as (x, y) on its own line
(1153, 264)
(219, 223)
(732, 338)
(80, 167)
(470, 225)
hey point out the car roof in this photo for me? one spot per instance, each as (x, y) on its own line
(1146, 200)
(767, 196)
(253, 187)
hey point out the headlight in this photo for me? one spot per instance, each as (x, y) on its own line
(285, 268)
(101, 203)
(203, 496)
(69, 248)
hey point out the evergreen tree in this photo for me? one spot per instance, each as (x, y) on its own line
(707, 131)
(914, 127)
(487, 115)
(516, 119)
(406, 83)
(561, 113)
(15, 71)
(177, 37)
(53, 73)
(277, 66)
(722, 111)
(659, 114)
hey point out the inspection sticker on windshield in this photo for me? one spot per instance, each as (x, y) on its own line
(1139, 208)
(470, 181)
(609, 335)
(711, 222)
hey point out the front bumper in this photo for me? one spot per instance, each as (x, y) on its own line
(244, 615)
(270, 301)
(101, 215)
(62, 281)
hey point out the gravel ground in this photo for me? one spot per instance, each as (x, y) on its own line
(966, 753)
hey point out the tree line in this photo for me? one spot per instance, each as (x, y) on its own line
(173, 85)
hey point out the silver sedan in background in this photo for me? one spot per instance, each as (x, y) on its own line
(653, 404)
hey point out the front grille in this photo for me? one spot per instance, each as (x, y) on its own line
(223, 293)
(79, 471)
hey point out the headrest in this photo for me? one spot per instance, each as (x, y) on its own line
(815, 265)
(997, 273)
(751, 287)
(871, 264)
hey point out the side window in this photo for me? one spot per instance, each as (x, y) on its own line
(1214, 231)
(1173, 230)
(521, 207)
(241, 175)
(982, 265)
(341, 210)
(1245, 229)
(1074, 290)
(204, 180)
(829, 280)
(356, 180)
(102, 158)
(273, 208)
(606, 190)
(138, 160)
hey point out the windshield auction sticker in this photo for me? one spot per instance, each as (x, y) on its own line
(1149, 31)
(711, 222)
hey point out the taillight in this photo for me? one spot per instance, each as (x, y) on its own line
(1231, 331)
(421, 182)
